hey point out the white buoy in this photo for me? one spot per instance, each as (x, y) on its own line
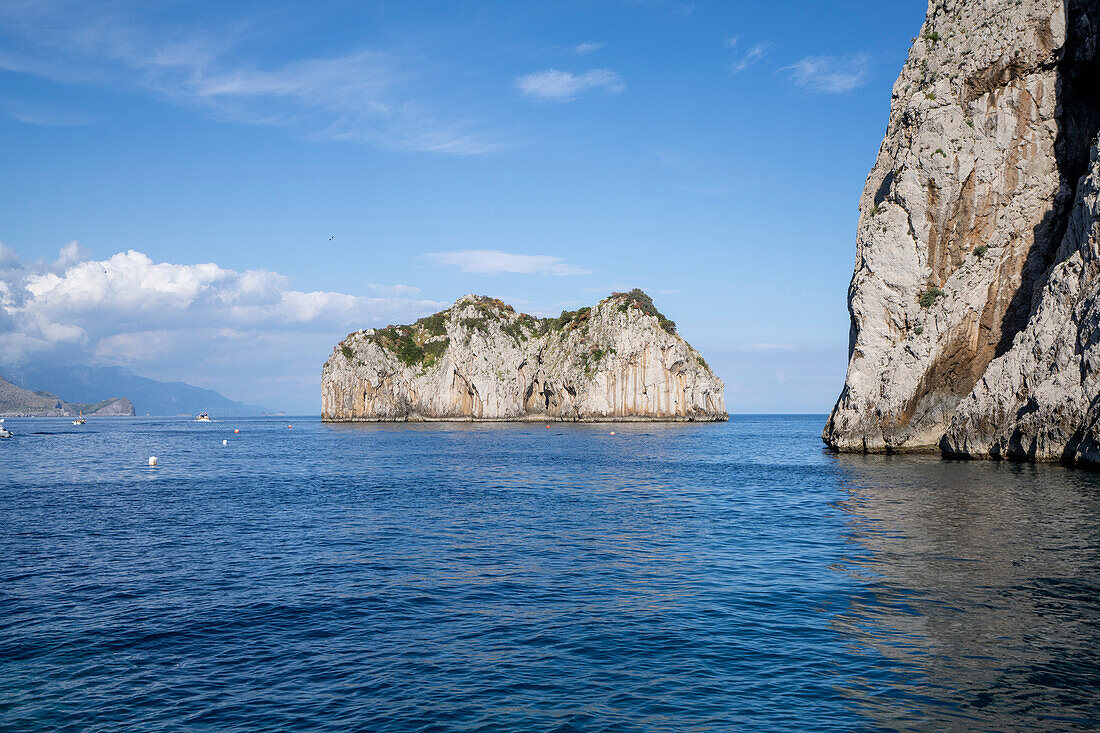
(225, 442)
(152, 460)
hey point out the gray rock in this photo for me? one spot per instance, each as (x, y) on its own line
(961, 224)
(481, 360)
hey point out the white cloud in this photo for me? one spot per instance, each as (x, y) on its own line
(365, 95)
(496, 262)
(830, 74)
(750, 57)
(583, 49)
(45, 116)
(396, 291)
(563, 86)
(199, 323)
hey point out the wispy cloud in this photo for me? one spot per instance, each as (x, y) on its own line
(394, 291)
(45, 116)
(691, 174)
(365, 95)
(751, 56)
(829, 74)
(563, 86)
(497, 262)
(583, 49)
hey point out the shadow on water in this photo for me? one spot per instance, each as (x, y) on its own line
(981, 592)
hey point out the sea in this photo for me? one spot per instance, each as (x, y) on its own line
(281, 574)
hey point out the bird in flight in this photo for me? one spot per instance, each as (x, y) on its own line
(332, 237)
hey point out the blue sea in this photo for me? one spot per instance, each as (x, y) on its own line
(519, 577)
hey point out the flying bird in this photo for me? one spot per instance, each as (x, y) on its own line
(332, 237)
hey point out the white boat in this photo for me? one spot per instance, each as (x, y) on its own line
(4, 432)
(203, 417)
(80, 420)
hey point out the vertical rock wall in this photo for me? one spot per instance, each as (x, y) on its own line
(965, 211)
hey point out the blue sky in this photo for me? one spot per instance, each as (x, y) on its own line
(545, 153)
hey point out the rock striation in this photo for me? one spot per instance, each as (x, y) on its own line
(18, 402)
(972, 301)
(481, 360)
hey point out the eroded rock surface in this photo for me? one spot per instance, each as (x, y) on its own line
(963, 220)
(481, 360)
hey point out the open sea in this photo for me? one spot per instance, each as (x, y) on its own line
(514, 577)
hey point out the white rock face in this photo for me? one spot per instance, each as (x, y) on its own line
(964, 213)
(1041, 399)
(480, 360)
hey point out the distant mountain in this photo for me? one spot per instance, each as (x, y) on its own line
(149, 396)
(18, 402)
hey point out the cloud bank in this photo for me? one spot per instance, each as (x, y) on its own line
(200, 323)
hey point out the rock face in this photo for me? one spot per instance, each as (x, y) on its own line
(480, 360)
(978, 198)
(18, 402)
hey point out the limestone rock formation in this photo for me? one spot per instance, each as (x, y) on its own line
(481, 360)
(18, 402)
(1040, 400)
(976, 197)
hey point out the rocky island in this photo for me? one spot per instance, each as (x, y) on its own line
(481, 360)
(975, 323)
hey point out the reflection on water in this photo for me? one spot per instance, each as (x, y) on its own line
(981, 592)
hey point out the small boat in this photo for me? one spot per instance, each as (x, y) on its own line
(4, 432)
(80, 420)
(203, 417)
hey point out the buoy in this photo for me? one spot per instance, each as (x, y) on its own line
(226, 442)
(547, 427)
(152, 460)
(289, 427)
(612, 432)
(236, 431)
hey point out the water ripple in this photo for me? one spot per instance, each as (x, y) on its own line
(508, 577)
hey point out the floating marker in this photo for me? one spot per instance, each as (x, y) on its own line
(288, 427)
(152, 460)
(612, 432)
(236, 431)
(547, 427)
(226, 442)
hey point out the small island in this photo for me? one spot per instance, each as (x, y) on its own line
(481, 360)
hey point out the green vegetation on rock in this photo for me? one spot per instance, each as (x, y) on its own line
(636, 298)
(929, 296)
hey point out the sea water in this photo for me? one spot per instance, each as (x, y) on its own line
(525, 577)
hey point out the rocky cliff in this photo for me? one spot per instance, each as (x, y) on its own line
(18, 402)
(976, 234)
(481, 360)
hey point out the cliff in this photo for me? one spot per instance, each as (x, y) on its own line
(977, 230)
(18, 402)
(481, 360)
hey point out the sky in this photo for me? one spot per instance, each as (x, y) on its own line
(218, 192)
